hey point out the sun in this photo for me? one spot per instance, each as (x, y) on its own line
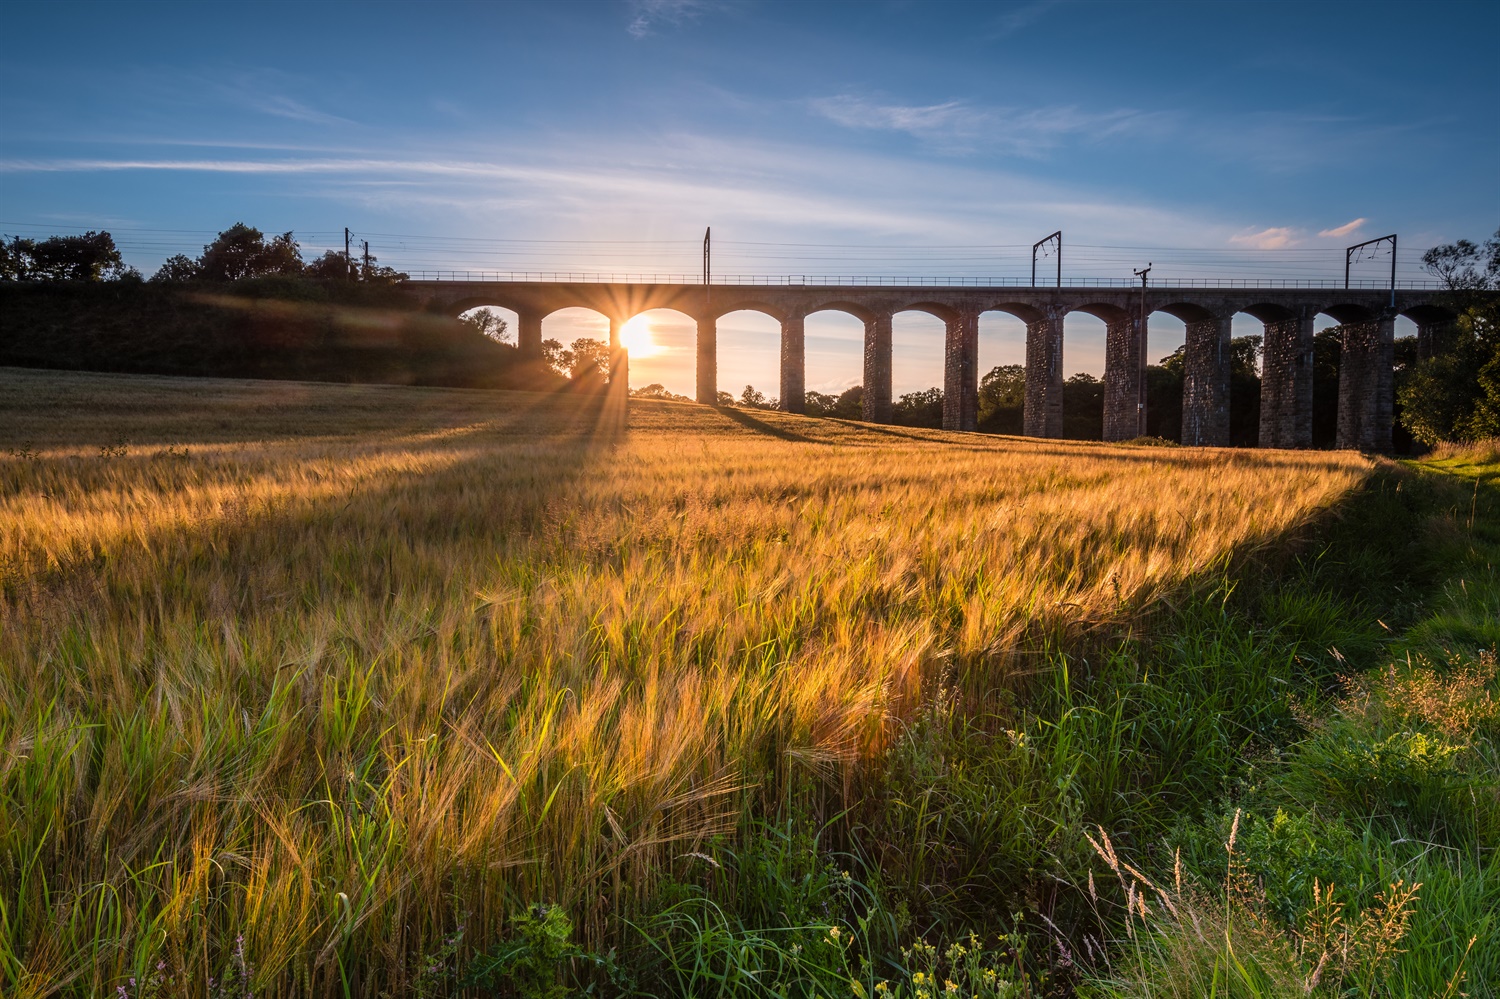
(635, 336)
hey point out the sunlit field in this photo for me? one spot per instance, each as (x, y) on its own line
(298, 680)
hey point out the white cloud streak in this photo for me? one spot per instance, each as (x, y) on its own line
(1021, 132)
(1347, 229)
(1274, 238)
(646, 15)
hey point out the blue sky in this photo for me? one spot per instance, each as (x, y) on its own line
(848, 138)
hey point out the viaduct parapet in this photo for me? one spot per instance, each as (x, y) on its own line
(1366, 319)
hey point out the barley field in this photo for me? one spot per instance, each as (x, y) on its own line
(298, 679)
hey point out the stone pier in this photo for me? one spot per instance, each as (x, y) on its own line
(961, 373)
(794, 364)
(529, 333)
(708, 361)
(1205, 389)
(1286, 389)
(1043, 413)
(877, 384)
(1124, 415)
(1366, 373)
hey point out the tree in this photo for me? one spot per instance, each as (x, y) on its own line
(1455, 395)
(656, 390)
(176, 269)
(556, 357)
(242, 251)
(587, 361)
(919, 409)
(488, 323)
(850, 404)
(90, 257)
(751, 398)
(15, 258)
(1083, 407)
(1464, 266)
(331, 266)
(1002, 399)
(819, 403)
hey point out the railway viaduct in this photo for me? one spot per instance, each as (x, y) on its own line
(1366, 318)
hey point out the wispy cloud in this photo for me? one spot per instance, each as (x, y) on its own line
(958, 124)
(1274, 238)
(1020, 16)
(1347, 229)
(646, 15)
(281, 106)
(952, 117)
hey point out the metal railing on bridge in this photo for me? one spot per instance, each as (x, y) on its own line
(827, 280)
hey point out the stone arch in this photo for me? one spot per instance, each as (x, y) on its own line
(778, 313)
(653, 348)
(576, 325)
(1354, 392)
(753, 356)
(1206, 368)
(1434, 324)
(458, 307)
(831, 339)
(509, 316)
(1027, 328)
(927, 340)
(1284, 409)
(1122, 370)
(937, 310)
(861, 312)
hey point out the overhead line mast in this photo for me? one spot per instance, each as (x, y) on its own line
(1140, 400)
(1040, 243)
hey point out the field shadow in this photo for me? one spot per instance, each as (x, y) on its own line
(759, 426)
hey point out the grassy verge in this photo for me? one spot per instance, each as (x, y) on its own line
(1356, 853)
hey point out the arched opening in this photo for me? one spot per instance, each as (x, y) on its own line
(835, 351)
(494, 321)
(749, 358)
(1002, 368)
(919, 337)
(575, 342)
(1166, 373)
(1084, 335)
(661, 345)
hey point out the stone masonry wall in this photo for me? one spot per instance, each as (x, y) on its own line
(1286, 384)
(793, 364)
(1365, 389)
(877, 399)
(1044, 379)
(1205, 389)
(1123, 417)
(961, 373)
(708, 362)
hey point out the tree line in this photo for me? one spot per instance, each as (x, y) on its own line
(238, 253)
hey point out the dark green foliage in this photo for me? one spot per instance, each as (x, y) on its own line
(775, 916)
(1455, 395)
(1083, 408)
(919, 409)
(1002, 399)
(540, 961)
(242, 251)
(845, 406)
(90, 257)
